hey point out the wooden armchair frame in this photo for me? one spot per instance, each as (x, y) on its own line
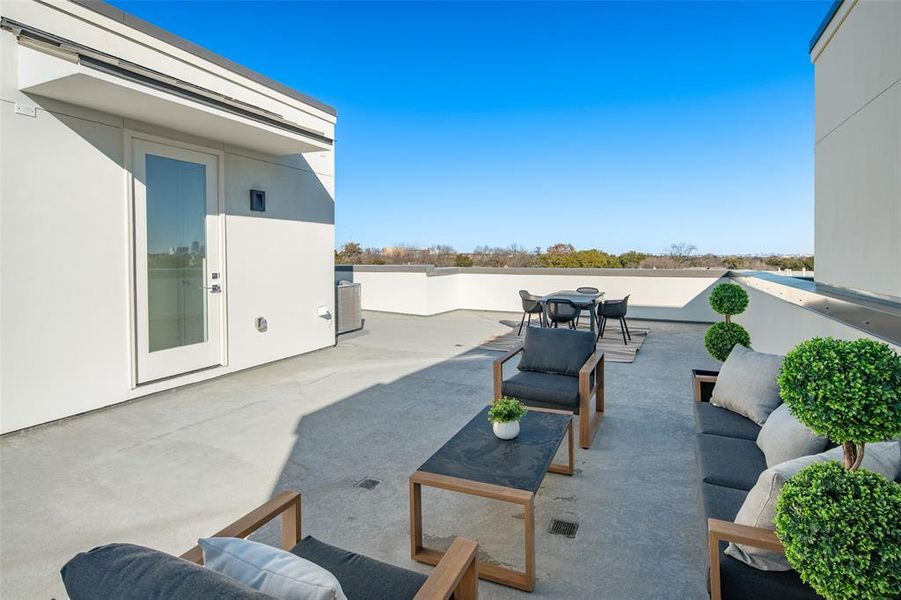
(726, 531)
(457, 574)
(589, 420)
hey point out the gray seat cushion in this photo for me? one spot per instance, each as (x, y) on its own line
(129, 572)
(720, 502)
(738, 581)
(544, 390)
(720, 421)
(729, 462)
(559, 351)
(361, 577)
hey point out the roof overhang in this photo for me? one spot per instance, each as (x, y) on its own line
(123, 89)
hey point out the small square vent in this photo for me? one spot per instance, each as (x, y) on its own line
(567, 528)
(368, 484)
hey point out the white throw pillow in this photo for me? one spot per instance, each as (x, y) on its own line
(270, 570)
(747, 384)
(783, 437)
(759, 508)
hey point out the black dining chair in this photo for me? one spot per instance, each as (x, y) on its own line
(587, 289)
(614, 309)
(560, 310)
(530, 306)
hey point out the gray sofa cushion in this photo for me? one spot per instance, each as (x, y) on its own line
(738, 581)
(747, 384)
(721, 502)
(543, 390)
(720, 421)
(129, 572)
(783, 437)
(361, 577)
(560, 351)
(729, 462)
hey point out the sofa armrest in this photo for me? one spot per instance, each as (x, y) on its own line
(286, 504)
(457, 574)
(726, 531)
(499, 369)
(702, 381)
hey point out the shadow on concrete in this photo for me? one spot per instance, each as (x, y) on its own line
(634, 494)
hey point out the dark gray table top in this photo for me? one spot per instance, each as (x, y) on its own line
(476, 454)
(577, 298)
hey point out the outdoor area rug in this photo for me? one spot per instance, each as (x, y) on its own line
(611, 343)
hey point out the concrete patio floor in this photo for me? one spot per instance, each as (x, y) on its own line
(167, 469)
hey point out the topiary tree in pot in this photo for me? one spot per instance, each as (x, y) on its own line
(841, 525)
(727, 299)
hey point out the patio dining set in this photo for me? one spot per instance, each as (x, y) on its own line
(566, 307)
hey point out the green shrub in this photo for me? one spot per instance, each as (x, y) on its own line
(505, 410)
(842, 531)
(729, 299)
(722, 337)
(846, 391)
(463, 260)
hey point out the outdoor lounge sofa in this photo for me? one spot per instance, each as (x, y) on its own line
(729, 463)
(128, 571)
(559, 370)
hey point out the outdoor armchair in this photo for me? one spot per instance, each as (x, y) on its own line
(559, 310)
(123, 570)
(531, 305)
(559, 369)
(614, 309)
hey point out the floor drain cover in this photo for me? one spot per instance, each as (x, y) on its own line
(566, 528)
(368, 484)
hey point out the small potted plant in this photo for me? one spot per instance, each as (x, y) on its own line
(841, 524)
(727, 299)
(504, 416)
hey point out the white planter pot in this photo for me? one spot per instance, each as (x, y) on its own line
(506, 431)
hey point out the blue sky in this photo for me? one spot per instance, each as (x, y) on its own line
(606, 125)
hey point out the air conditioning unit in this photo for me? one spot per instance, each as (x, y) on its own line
(349, 314)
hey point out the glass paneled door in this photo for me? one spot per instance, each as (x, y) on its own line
(178, 281)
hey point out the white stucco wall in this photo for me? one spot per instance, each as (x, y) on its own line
(65, 345)
(653, 295)
(858, 148)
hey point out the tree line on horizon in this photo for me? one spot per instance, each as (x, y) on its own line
(677, 256)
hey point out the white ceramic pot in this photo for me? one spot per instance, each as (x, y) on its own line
(506, 431)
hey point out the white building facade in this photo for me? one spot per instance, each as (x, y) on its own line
(166, 216)
(857, 59)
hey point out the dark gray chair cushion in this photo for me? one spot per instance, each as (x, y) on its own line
(361, 578)
(730, 462)
(543, 390)
(739, 581)
(721, 421)
(560, 351)
(721, 502)
(129, 572)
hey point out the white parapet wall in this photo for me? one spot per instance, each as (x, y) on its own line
(678, 295)
(783, 312)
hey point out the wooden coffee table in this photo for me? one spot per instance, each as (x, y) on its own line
(476, 462)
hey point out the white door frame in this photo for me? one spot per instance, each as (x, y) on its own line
(130, 137)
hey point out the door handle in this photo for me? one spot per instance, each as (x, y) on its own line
(214, 289)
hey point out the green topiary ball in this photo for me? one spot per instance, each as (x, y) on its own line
(729, 299)
(842, 531)
(722, 337)
(847, 391)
